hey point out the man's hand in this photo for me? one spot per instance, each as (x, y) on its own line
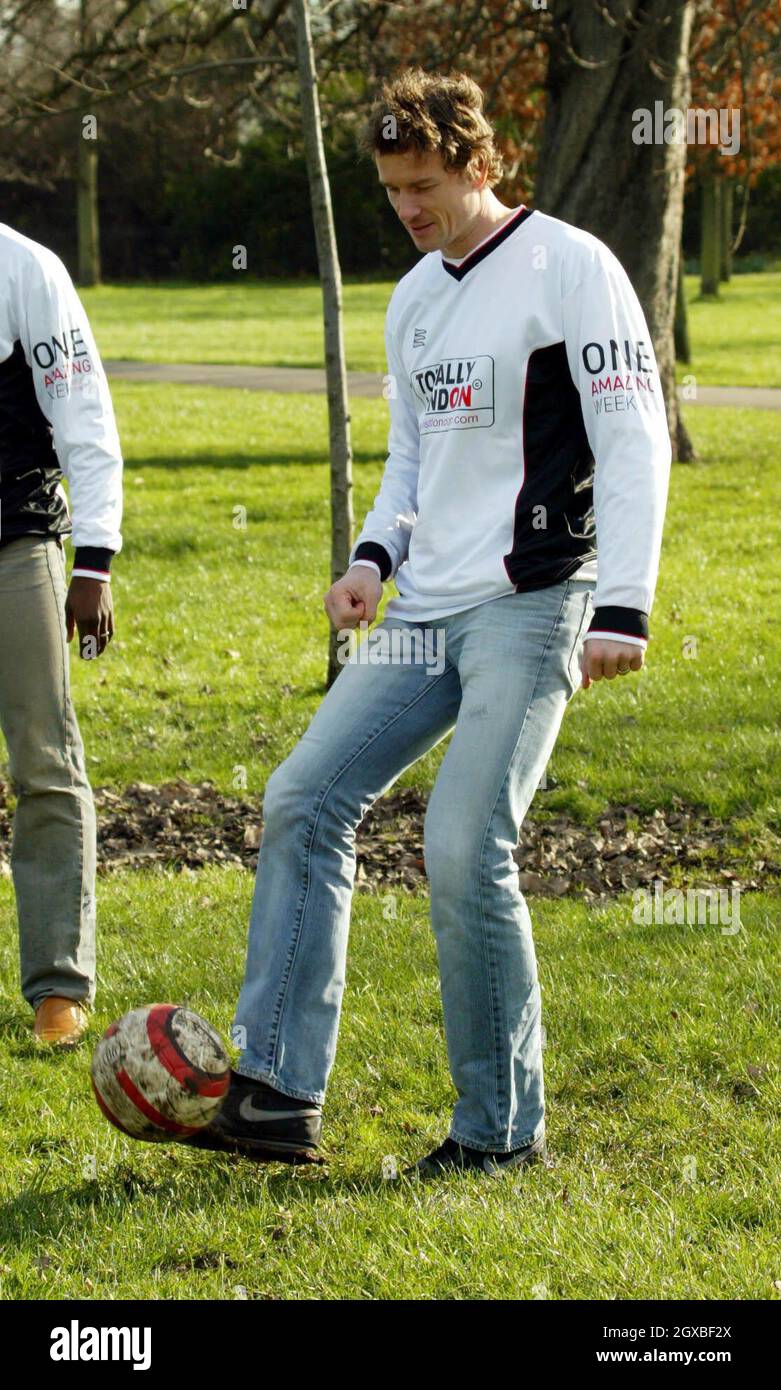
(89, 608)
(603, 660)
(354, 598)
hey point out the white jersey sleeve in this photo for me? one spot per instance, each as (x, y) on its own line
(73, 394)
(386, 531)
(612, 363)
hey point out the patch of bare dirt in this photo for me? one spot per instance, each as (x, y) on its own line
(184, 825)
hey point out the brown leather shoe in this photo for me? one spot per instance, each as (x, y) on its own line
(59, 1022)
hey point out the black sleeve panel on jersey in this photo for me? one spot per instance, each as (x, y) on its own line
(92, 557)
(626, 622)
(371, 550)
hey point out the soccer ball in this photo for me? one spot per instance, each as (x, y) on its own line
(160, 1072)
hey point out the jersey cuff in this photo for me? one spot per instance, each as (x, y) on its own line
(619, 623)
(370, 550)
(92, 561)
(367, 565)
(618, 637)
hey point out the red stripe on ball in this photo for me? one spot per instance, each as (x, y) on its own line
(141, 1103)
(170, 1056)
(109, 1114)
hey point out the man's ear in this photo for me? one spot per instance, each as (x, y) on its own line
(477, 169)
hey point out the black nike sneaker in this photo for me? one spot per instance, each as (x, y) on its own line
(453, 1157)
(258, 1122)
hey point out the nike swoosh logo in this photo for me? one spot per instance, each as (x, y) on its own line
(248, 1111)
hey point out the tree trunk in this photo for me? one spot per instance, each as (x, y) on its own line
(710, 244)
(88, 223)
(331, 280)
(726, 229)
(683, 449)
(681, 330)
(594, 174)
(87, 212)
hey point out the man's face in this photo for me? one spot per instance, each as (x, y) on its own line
(436, 205)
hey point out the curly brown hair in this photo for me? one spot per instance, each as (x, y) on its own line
(414, 110)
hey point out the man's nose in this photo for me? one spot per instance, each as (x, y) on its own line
(409, 210)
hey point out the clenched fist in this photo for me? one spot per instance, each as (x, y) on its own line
(603, 659)
(354, 598)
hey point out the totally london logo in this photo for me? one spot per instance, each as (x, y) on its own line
(457, 393)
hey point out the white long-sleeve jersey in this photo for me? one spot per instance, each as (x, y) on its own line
(56, 415)
(528, 436)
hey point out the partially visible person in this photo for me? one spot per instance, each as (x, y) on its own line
(56, 418)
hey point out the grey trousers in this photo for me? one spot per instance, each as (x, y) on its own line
(53, 851)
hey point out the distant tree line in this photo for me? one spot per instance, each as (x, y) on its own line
(174, 222)
(762, 237)
(196, 109)
(180, 219)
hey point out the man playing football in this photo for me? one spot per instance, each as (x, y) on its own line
(526, 420)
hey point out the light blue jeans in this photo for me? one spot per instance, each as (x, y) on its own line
(510, 667)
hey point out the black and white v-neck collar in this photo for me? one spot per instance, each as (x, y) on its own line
(462, 268)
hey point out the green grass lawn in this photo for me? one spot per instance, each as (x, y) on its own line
(735, 338)
(221, 648)
(258, 322)
(662, 1082)
(662, 1059)
(278, 323)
